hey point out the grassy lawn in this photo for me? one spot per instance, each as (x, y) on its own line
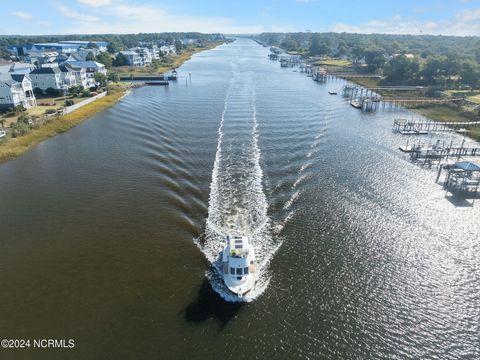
(475, 99)
(333, 62)
(474, 134)
(365, 82)
(55, 103)
(441, 112)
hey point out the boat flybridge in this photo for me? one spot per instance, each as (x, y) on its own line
(239, 267)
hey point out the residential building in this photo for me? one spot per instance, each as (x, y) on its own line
(145, 54)
(80, 75)
(133, 59)
(90, 67)
(52, 77)
(16, 68)
(15, 90)
(168, 49)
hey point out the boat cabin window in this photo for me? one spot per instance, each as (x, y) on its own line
(232, 271)
(245, 270)
(239, 271)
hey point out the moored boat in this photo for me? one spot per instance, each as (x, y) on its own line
(356, 104)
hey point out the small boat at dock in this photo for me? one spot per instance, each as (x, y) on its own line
(332, 92)
(239, 265)
(356, 104)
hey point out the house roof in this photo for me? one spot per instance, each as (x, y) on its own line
(83, 64)
(63, 68)
(467, 166)
(46, 70)
(11, 79)
(19, 77)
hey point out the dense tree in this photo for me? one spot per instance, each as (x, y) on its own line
(120, 60)
(112, 48)
(470, 73)
(435, 67)
(92, 45)
(90, 57)
(113, 76)
(319, 46)
(178, 46)
(290, 44)
(374, 57)
(105, 59)
(401, 70)
(101, 79)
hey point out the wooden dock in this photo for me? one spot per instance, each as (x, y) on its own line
(149, 77)
(419, 127)
(440, 151)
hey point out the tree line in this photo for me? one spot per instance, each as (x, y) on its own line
(445, 61)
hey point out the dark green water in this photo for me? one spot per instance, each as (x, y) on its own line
(362, 255)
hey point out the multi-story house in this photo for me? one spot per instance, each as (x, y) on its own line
(90, 68)
(80, 75)
(15, 90)
(52, 77)
(133, 59)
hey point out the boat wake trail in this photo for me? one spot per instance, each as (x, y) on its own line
(237, 200)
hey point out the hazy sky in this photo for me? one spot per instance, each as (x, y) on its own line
(448, 17)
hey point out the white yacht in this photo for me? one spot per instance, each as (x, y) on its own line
(239, 266)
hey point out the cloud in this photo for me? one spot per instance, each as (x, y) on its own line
(464, 23)
(95, 3)
(23, 15)
(121, 17)
(70, 13)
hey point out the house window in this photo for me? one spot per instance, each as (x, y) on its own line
(232, 271)
(239, 271)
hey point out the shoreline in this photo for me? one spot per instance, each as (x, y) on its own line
(15, 147)
(12, 148)
(177, 62)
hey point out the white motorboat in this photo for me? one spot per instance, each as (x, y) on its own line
(2, 134)
(239, 265)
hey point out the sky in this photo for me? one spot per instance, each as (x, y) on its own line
(448, 17)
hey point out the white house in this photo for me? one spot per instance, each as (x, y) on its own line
(52, 77)
(15, 90)
(145, 54)
(89, 67)
(168, 49)
(133, 59)
(80, 75)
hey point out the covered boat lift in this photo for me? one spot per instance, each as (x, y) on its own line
(463, 178)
